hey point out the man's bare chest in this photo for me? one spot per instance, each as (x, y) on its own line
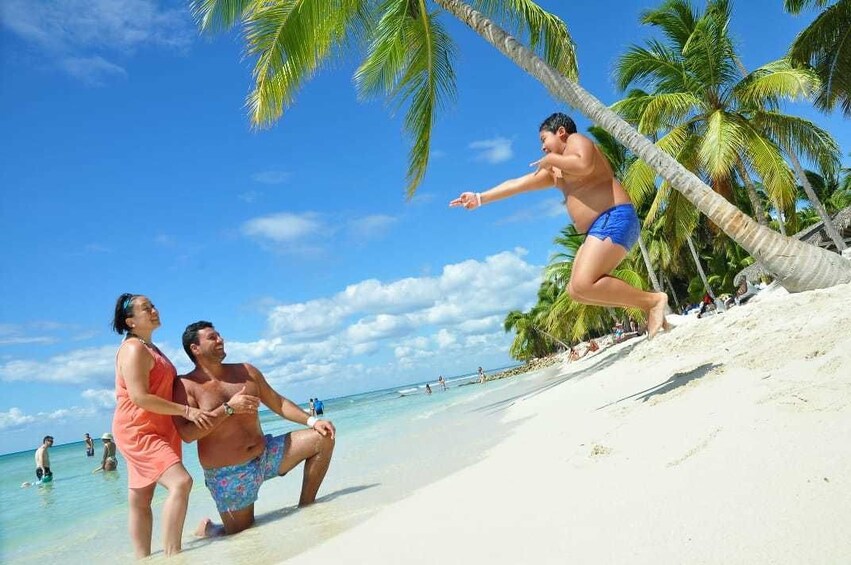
(211, 395)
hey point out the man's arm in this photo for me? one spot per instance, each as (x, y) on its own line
(284, 407)
(188, 431)
(240, 402)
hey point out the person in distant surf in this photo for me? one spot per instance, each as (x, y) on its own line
(235, 455)
(311, 407)
(42, 460)
(109, 461)
(599, 208)
(90, 446)
(442, 381)
(482, 377)
(143, 428)
(428, 389)
(320, 407)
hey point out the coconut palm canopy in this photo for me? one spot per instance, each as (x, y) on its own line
(825, 46)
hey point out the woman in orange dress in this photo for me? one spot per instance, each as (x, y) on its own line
(143, 428)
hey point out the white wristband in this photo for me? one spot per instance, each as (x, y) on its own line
(478, 199)
(311, 421)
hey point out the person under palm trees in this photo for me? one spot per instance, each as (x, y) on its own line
(599, 208)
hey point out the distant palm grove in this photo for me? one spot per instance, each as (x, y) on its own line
(721, 174)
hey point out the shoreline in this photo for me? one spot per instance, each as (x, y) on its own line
(722, 441)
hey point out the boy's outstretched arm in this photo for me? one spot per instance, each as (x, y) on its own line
(533, 181)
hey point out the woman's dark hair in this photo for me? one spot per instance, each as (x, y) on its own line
(190, 336)
(556, 121)
(123, 310)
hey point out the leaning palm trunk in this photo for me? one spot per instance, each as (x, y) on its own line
(650, 272)
(829, 226)
(700, 268)
(798, 266)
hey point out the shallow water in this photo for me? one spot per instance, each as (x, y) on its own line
(387, 445)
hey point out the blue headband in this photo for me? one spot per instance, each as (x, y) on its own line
(127, 302)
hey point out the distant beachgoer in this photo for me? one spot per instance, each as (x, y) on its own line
(109, 461)
(442, 381)
(90, 446)
(592, 346)
(428, 389)
(706, 304)
(143, 428)
(600, 209)
(482, 377)
(235, 455)
(42, 460)
(311, 406)
(320, 407)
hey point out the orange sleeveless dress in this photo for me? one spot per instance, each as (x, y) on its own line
(149, 442)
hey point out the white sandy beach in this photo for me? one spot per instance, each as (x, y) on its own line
(725, 440)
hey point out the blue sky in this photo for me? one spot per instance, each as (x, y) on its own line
(129, 165)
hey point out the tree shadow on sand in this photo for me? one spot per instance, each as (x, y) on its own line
(674, 381)
(595, 364)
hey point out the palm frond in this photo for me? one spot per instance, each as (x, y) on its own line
(547, 34)
(778, 80)
(291, 40)
(826, 47)
(767, 160)
(428, 83)
(795, 6)
(220, 15)
(721, 144)
(800, 135)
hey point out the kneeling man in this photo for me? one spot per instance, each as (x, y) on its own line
(237, 458)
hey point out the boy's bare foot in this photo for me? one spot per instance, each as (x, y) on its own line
(656, 315)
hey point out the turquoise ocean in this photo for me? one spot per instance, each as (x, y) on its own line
(389, 443)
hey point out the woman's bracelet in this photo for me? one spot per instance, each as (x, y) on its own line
(311, 421)
(186, 411)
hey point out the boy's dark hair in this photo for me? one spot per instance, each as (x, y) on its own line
(46, 438)
(190, 336)
(556, 121)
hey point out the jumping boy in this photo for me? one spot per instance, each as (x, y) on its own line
(599, 208)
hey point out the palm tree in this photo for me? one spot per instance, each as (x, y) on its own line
(409, 58)
(711, 115)
(825, 45)
(529, 341)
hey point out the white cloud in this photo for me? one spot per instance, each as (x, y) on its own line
(496, 150)
(370, 330)
(102, 397)
(81, 36)
(15, 418)
(81, 365)
(92, 71)
(371, 226)
(271, 177)
(283, 227)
